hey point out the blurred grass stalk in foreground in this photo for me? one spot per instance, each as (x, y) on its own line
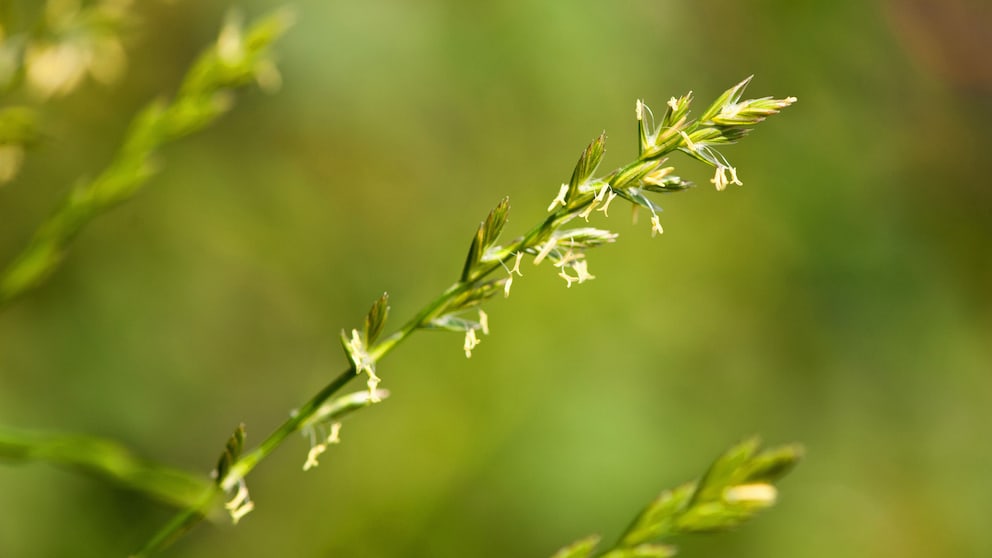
(240, 56)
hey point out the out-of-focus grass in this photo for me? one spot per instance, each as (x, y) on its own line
(839, 298)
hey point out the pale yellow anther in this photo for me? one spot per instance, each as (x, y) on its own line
(239, 513)
(516, 265)
(568, 258)
(720, 177)
(582, 271)
(758, 493)
(506, 287)
(730, 110)
(241, 504)
(333, 438)
(545, 250)
(373, 384)
(606, 205)
(312, 456)
(560, 198)
(673, 104)
(484, 321)
(656, 225)
(657, 177)
(240, 497)
(588, 210)
(733, 177)
(471, 341)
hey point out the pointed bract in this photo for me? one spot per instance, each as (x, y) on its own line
(232, 451)
(587, 165)
(728, 97)
(376, 318)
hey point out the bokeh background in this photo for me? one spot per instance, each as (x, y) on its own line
(841, 298)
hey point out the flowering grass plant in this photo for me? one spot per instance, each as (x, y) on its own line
(738, 484)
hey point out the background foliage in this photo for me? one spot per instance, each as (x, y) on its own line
(840, 298)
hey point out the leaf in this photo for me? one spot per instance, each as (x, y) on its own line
(376, 318)
(579, 549)
(232, 451)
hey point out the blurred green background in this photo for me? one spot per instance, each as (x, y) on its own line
(841, 298)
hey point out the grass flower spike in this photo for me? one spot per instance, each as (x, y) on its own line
(737, 486)
(725, 121)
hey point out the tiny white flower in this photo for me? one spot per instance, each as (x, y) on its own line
(582, 270)
(239, 513)
(545, 250)
(373, 384)
(588, 210)
(312, 456)
(560, 198)
(733, 177)
(567, 259)
(484, 321)
(720, 177)
(673, 104)
(609, 200)
(639, 109)
(363, 363)
(656, 225)
(471, 341)
(516, 265)
(240, 497)
(333, 438)
(506, 287)
(241, 504)
(730, 110)
(762, 494)
(657, 177)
